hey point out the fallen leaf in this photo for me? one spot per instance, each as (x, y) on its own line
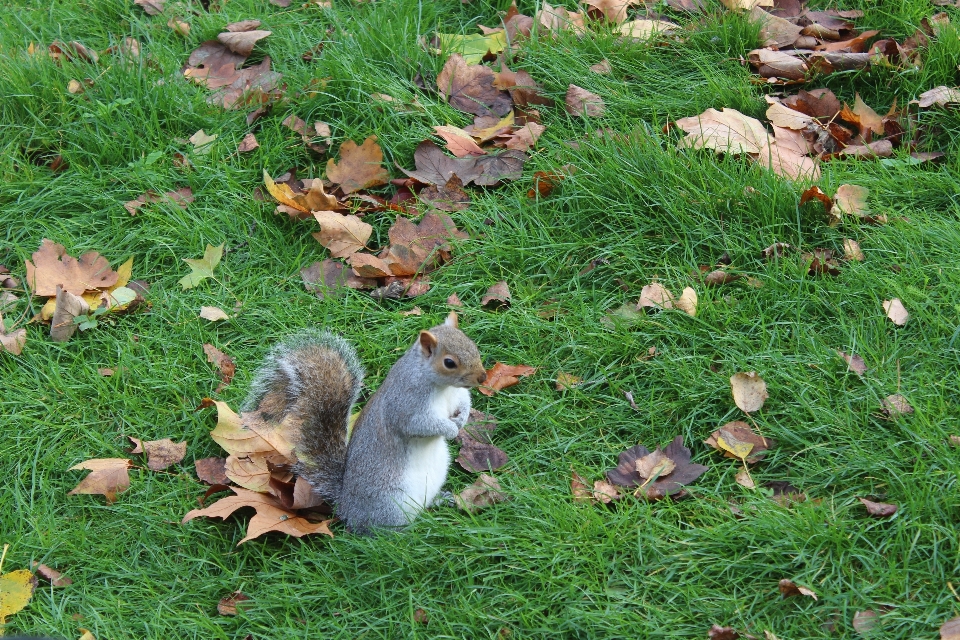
(896, 311)
(865, 621)
(940, 96)
(776, 250)
(784, 493)
(270, 516)
(52, 267)
(655, 296)
(502, 376)
(201, 268)
(202, 142)
(360, 167)
(163, 453)
(446, 197)
(324, 278)
(341, 234)
(821, 262)
(470, 88)
(603, 67)
(85, 634)
(775, 31)
(249, 143)
(614, 11)
(416, 311)
(107, 477)
(567, 381)
(213, 314)
(726, 131)
(852, 251)
(850, 199)
(879, 509)
(744, 480)
(578, 487)
(626, 474)
(788, 588)
(420, 617)
(687, 302)
(732, 437)
(228, 605)
(645, 29)
(497, 296)
(950, 630)
(433, 166)
(242, 42)
(454, 300)
(16, 589)
(749, 391)
(459, 142)
(181, 197)
(12, 342)
(559, 18)
(473, 47)
(481, 494)
(716, 632)
(221, 361)
(179, 26)
(54, 577)
(151, 7)
(580, 102)
(243, 25)
(655, 465)
(896, 405)
(719, 277)
(67, 308)
(854, 362)
(211, 470)
(477, 452)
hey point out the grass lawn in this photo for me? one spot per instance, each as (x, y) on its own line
(538, 565)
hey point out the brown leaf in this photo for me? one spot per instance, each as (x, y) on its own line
(940, 96)
(324, 278)
(228, 604)
(821, 262)
(213, 314)
(447, 197)
(578, 487)
(896, 311)
(819, 103)
(559, 18)
(221, 361)
(52, 266)
(614, 11)
(854, 362)
(420, 617)
(717, 632)
(270, 516)
(896, 405)
(749, 391)
(655, 296)
(626, 475)
(497, 296)
(360, 167)
(107, 477)
(54, 577)
(454, 300)
(950, 630)
(68, 307)
(776, 250)
(486, 128)
(151, 7)
(524, 138)
(179, 26)
(744, 480)
(163, 453)
(502, 376)
(604, 492)
(740, 432)
(603, 67)
(788, 588)
(785, 493)
(212, 471)
(242, 42)
(775, 31)
(879, 509)
(580, 102)
(481, 494)
(181, 197)
(459, 142)
(243, 25)
(341, 234)
(655, 465)
(470, 88)
(852, 251)
(778, 64)
(719, 277)
(433, 166)
(249, 143)
(567, 381)
(816, 192)
(12, 342)
(865, 621)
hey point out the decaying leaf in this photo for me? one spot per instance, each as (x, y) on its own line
(788, 588)
(683, 473)
(67, 308)
(502, 376)
(228, 605)
(212, 470)
(435, 167)
(950, 630)
(645, 29)
(687, 302)
(459, 142)
(242, 42)
(854, 362)
(567, 381)
(202, 268)
(324, 278)
(655, 296)
(749, 391)
(481, 494)
(163, 453)
(52, 267)
(477, 452)
(343, 235)
(249, 143)
(940, 96)
(470, 88)
(270, 516)
(896, 405)
(222, 362)
(51, 575)
(12, 342)
(716, 632)
(864, 622)
(879, 509)
(852, 251)
(732, 439)
(360, 166)
(784, 493)
(655, 465)
(896, 311)
(850, 199)
(497, 296)
(580, 102)
(213, 314)
(107, 477)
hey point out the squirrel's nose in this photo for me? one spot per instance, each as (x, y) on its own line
(481, 377)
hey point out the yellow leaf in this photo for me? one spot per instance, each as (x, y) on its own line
(16, 589)
(738, 448)
(282, 193)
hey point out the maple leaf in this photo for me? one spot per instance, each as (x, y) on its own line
(749, 391)
(501, 376)
(312, 198)
(559, 19)
(324, 278)
(940, 96)
(655, 296)
(341, 234)
(360, 167)
(201, 268)
(181, 197)
(684, 472)
(470, 88)
(249, 143)
(459, 142)
(854, 362)
(151, 7)
(270, 516)
(107, 477)
(53, 267)
(254, 444)
(896, 405)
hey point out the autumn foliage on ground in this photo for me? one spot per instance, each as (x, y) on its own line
(706, 248)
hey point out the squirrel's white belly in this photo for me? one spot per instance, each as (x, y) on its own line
(447, 401)
(427, 462)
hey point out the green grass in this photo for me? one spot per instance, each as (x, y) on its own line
(538, 565)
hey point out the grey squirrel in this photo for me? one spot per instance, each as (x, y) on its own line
(395, 460)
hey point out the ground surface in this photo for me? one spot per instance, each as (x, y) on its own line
(539, 565)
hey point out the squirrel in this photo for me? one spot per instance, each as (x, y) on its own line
(394, 461)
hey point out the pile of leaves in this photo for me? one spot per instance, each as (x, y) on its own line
(802, 43)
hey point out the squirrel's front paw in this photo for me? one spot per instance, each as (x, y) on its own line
(460, 418)
(444, 499)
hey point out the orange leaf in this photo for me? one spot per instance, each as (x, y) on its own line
(502, 376)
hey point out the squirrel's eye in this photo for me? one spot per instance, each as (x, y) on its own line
(450, 363)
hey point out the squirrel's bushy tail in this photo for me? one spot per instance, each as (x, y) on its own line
(312, 378)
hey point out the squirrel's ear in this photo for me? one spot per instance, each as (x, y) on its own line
(428, 343)
(451, 320)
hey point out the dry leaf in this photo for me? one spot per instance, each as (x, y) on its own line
(626, 475)
(645, 29)
(433, 166)
(360, 167)
(52, 267)
(603, 67)
(896, 405)
(343, 235)
(163, 453)
(454, 300)
(497, 296)
(222, 361)
(580, 102)
(16, 589)
(896, 311)
(179, 26)
(502, 376)
(655, 296)
(212, 471)
(470, 88)
(655, 465)
(107, 477)
(481, 494)
(270, 516)
(54, 577)
(732, 437)
(788, 588)
(749, 391)
(228, 604)
(249, 143)
(850, 199)
(950, 630)
(854, 362)
(604, 492)
(687, 302)
(459, 142)
(852, 251)
(12, 342)
(940, 96)
(744, 480)
(879, 509)
(567, 381)
(242, 42)
(865, 621)
(68, 307)
(726, 131)
(213, 314)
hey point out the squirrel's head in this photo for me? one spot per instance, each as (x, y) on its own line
(452, 354)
